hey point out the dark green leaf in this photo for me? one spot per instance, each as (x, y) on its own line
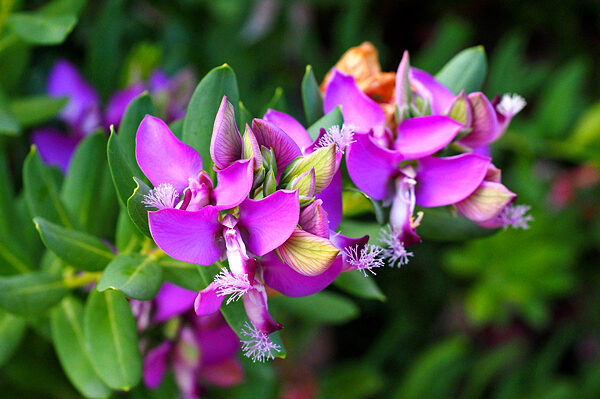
(9, 125)
(37, 28)
(322, 307)
(244, 117)
(136, 276)
(183, 274)
(60, 7)
(31, 293)
(334, 117)
(41, 192)
(35, 110)
(203, 107)
(137, 109)
(128, 237)
(137, 210)
(465, 71)
(69, 342)
(78, 249)
(441, 225)
(111, 337)
(121, 169)
(311, 97)
(277, 102)
(355, 282)
(11, 332)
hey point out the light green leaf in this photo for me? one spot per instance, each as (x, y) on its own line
(35, 110)
(111, 338)
(203, 107)
(138, 212)
(332, 118)
(439, 224)
(183, 274)
(311, 97)
(465, 71)
(323, 307)
(41, 29)
(80, 250)
(136, 276)
(31, 293)
(355, 282)
(12, 329)
(69, 342)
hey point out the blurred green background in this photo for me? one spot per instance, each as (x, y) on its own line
(514, 315)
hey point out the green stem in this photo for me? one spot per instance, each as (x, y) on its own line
(79, 280)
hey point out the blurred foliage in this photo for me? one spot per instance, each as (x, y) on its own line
(514, 315)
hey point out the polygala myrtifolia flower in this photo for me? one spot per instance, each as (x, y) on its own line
(199, 350)
(401, 120)
(83, 114)
(263, 208)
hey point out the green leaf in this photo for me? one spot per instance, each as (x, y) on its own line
(277, 102)
(355, 380)
(60, 7)
(31, 293)
(183, 274)
(69, 343)
(78, 249)
(84, 191)
(121, 169)
(311, 97)
(111, 337)
(9, 125)
(135, 275)
(12, 329)
(41, 191)
(322, 307)
(136, 209)
(439, 224)
(127, 237)
(244, 117)
(203, 107)
(355, 283)
(137, 109)
(332, 118)
(35, 110)
(465, 71)
(41, 29)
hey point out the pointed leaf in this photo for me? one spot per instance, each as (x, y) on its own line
(465, 71)
(332, 118)
(69, 342)
(136, 209)
(80, 250)
(311, 97)
(111, 337)
(136, 276)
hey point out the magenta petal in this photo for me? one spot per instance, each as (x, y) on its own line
(227, 373)
(55, 148)
(358, 109)
(484, 125)
(313, 219)
(425, 135)
(370, 166)
(208, 302)
(332, 200)
(162, 157)
(439, 96)
(289, 282)
(270, 221)
(445, 181)
(255, 303)
(226, 142)
(234, 184)
(155, 365)
(290, 126)
(343, 243)
(271, 136)
(172, 301)
(402, 88)
(83, 107)
(217, 343)
(187, 236)
(118, 103)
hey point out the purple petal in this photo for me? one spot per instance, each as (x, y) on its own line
(290, 126)
(270, 136)
(255, 303)
(234, 184)
(402, 89)
(332, 201)
(358, 109)
(187, 236)
(172, 301)
(370, 166)
(82, 111)
(289, 282)
(484, 151)
(55, 148)
(439, 96)
(158, 80)
(227, 373)
(425, 135)
(155, 364)
(217, 343)
(226, 142)
(162, 157)
(445, 181)
(342, 242)
(118, 104)
(208, 302)
(313, 219)
(484, 124)
(270, 221)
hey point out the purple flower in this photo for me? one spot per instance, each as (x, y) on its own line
(198, 350)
